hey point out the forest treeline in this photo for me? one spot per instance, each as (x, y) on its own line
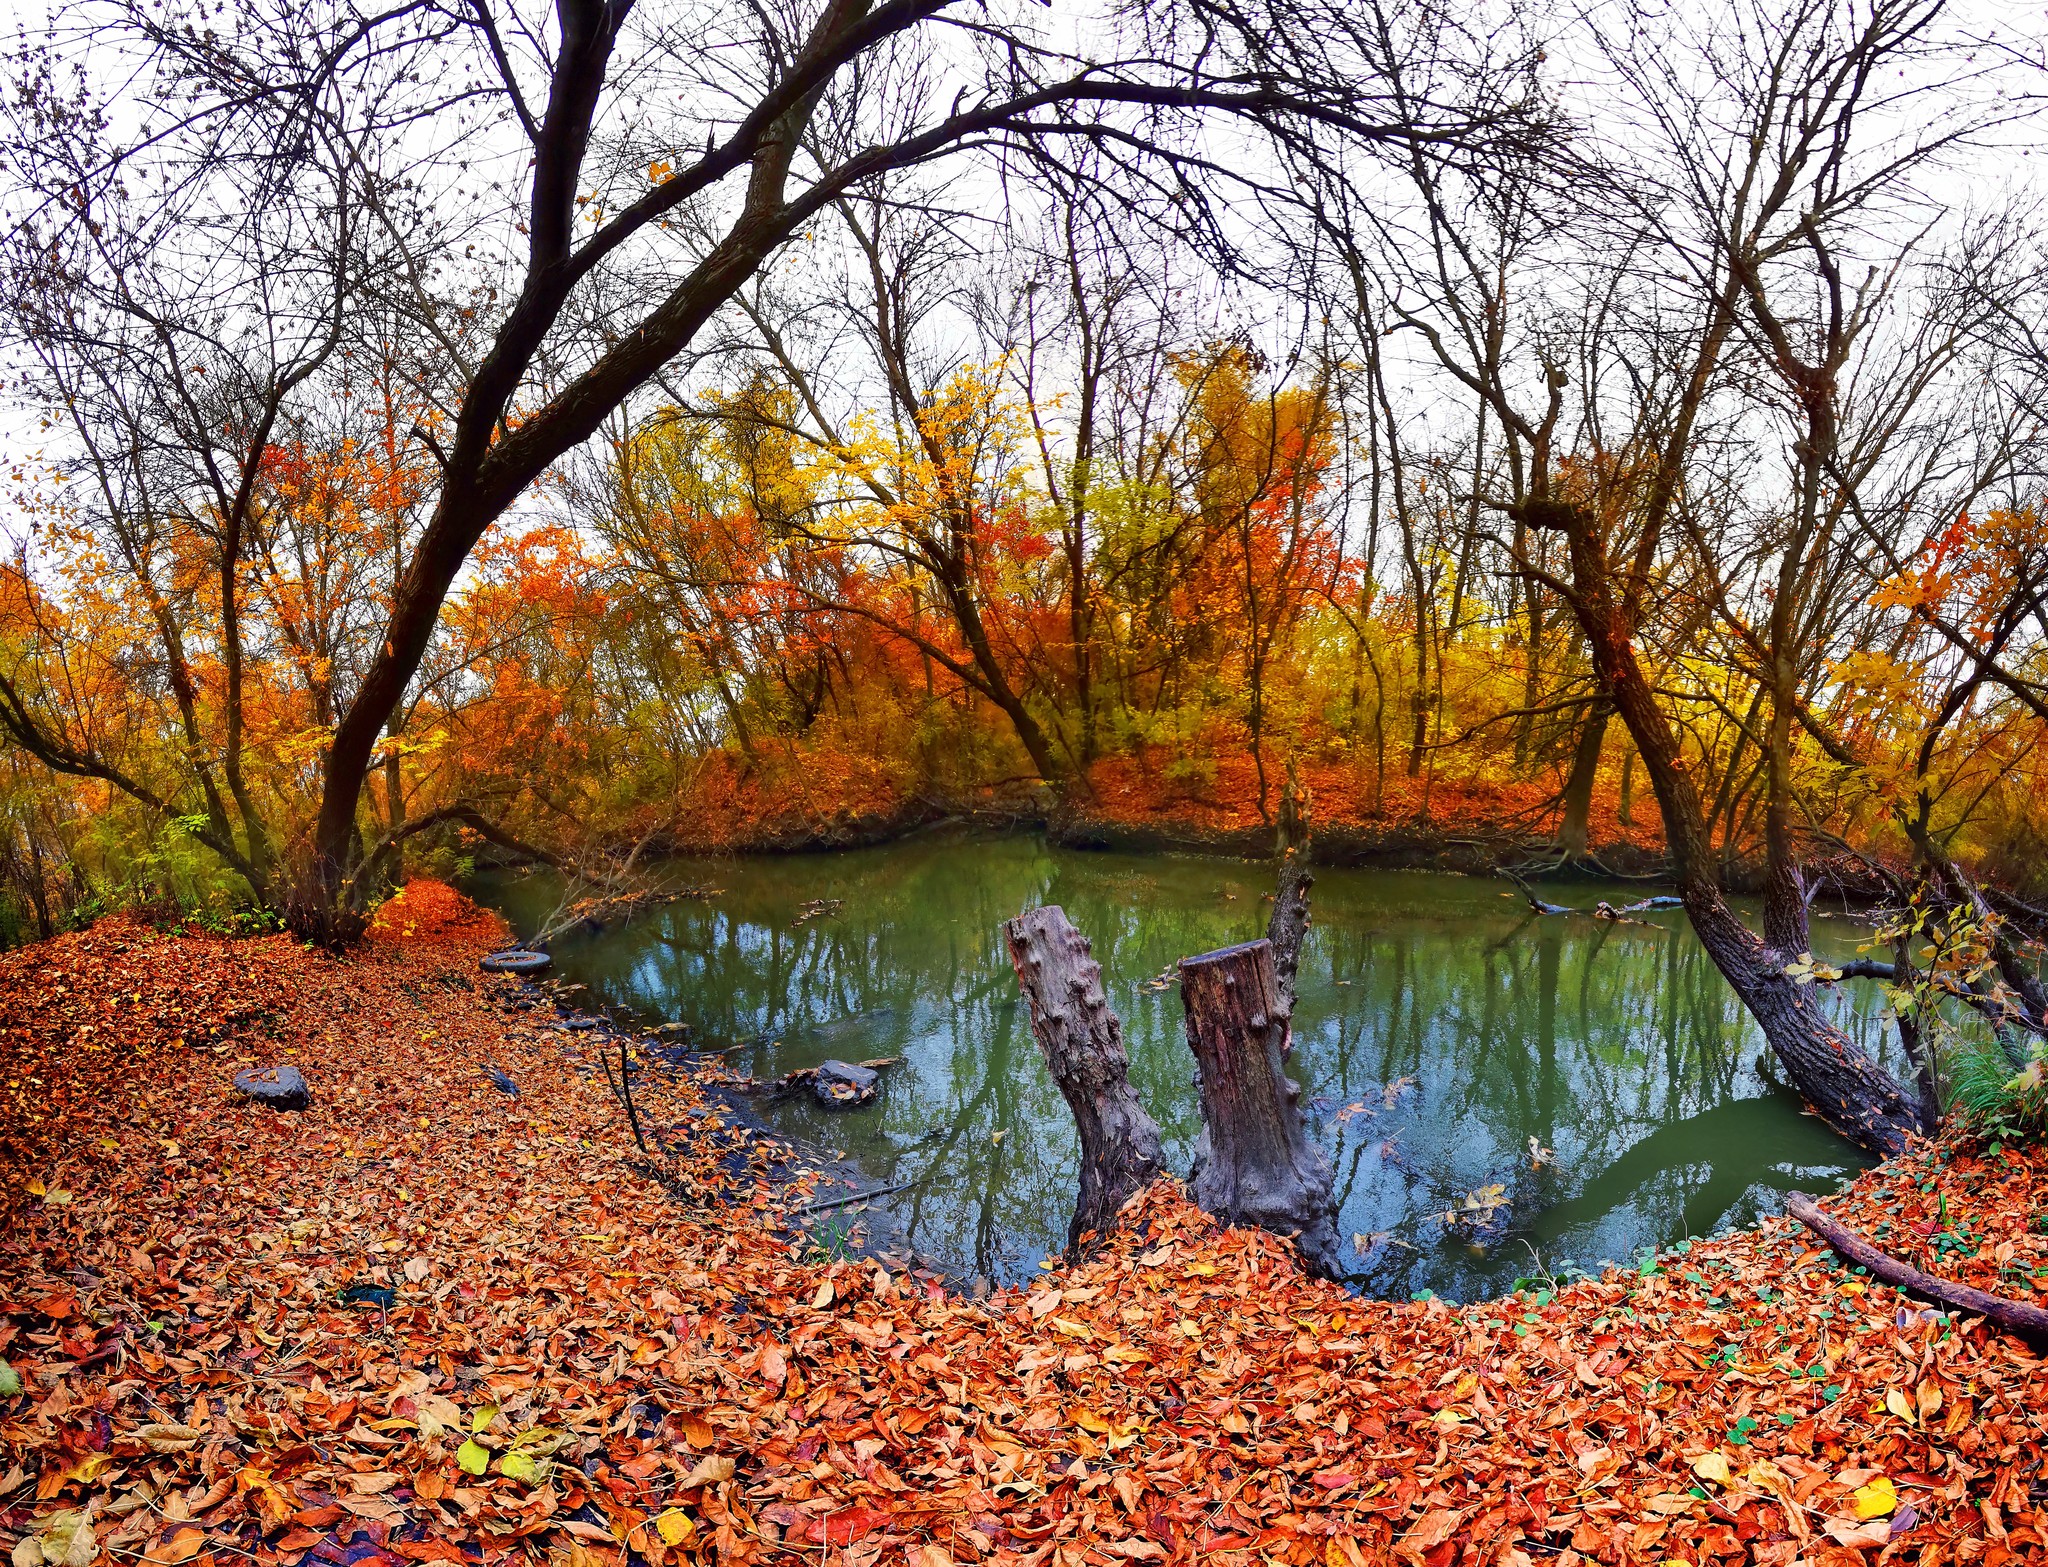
(610, 427)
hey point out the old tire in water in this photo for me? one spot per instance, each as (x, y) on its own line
(516, 960)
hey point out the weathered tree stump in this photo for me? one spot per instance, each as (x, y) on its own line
(1254, 1163)
(1082, 1041)
(1288, 926)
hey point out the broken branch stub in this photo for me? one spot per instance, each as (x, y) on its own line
(1254, 1163)
(1082, 1041)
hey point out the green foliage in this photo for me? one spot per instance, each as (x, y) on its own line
(1991, 1098)
(828, 1239)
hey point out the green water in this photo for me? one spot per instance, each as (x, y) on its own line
(1439, 1028)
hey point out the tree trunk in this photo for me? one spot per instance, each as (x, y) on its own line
(1575, 832)
(1848, 1089)
(1785, 922)
(1083, 1045)
(1254, 1163)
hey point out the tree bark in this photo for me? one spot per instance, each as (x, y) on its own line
(2028, 1321)
(1575, 831)
(1083, 1045)
(1287, 927)
(1254, 1163)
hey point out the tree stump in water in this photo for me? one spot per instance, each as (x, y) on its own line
(1289, 926)
(1082, 1041)
(1254, 1163)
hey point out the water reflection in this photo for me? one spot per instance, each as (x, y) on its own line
(1442, 1035)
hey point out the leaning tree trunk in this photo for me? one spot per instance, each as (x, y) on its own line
(1083, 1045)
(1254, 1163)
(1835, 1075)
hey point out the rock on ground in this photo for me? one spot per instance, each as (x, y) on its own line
(280, 1087)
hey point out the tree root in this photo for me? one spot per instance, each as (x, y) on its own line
(2027, 1321)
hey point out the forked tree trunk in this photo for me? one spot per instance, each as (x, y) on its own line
(1083, 1045)
(1254, 1163)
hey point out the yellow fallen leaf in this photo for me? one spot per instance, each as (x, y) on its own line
(1899, 1405)
(674, 1526)
(823, 1298)
(1875, 1499)
(1714, 1467)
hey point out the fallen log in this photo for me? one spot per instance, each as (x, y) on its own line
(1082, 1041)
(2027, 1321)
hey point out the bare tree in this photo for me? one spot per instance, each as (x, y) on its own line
(557, 201)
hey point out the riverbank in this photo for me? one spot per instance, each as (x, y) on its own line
(428, 1320)
(1148, 804)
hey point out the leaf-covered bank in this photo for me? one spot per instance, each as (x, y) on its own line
(427, 1320)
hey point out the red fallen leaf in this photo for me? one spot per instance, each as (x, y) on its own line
(429, 1550)
(1335, 1479)
(299, 1540)
(843, 1528)
(1431, 1530)
(317, 1517)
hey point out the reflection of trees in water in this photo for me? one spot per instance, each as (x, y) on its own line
(1601, 1041)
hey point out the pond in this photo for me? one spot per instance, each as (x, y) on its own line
(1447, 1042)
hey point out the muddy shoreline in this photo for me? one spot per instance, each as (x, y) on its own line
(834, 1220)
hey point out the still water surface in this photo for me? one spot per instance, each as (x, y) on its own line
(1440, 1028)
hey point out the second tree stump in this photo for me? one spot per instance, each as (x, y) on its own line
(1254, 1163)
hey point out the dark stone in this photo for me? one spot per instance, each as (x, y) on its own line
(515, 960)
(501, 1082)
(839, 1085)
(280, 1087)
